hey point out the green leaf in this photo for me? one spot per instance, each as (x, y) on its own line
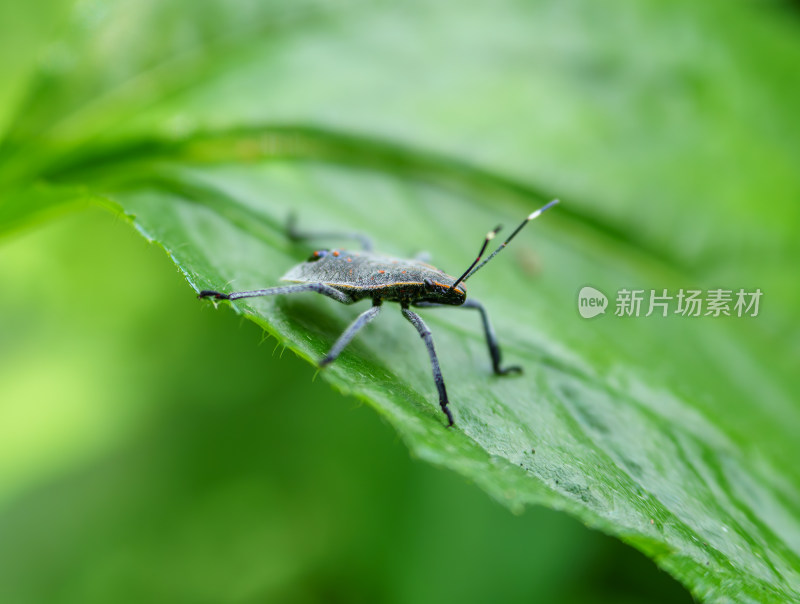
(605, 436)
(659, 126)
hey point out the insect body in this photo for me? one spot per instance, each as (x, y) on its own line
(362, 275)
(350, 276)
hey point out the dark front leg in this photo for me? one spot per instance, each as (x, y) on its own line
(491, 338)
(425, 333)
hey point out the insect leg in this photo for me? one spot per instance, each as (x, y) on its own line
(344, 339)
(425, 333)
(320, 288)
(491, 338)
(295, 235)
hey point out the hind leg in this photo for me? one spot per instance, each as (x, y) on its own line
(320, 288)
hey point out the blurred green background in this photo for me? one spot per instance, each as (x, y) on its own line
(164, 455)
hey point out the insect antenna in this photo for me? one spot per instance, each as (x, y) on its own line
(475, 267)
(489, 236)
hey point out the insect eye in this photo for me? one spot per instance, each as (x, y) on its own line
(317, 255)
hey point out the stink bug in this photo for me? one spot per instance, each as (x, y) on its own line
(350, 276)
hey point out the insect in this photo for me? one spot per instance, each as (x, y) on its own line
(350, 276)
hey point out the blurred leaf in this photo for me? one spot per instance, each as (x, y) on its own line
(23, 205)
(423, 126)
